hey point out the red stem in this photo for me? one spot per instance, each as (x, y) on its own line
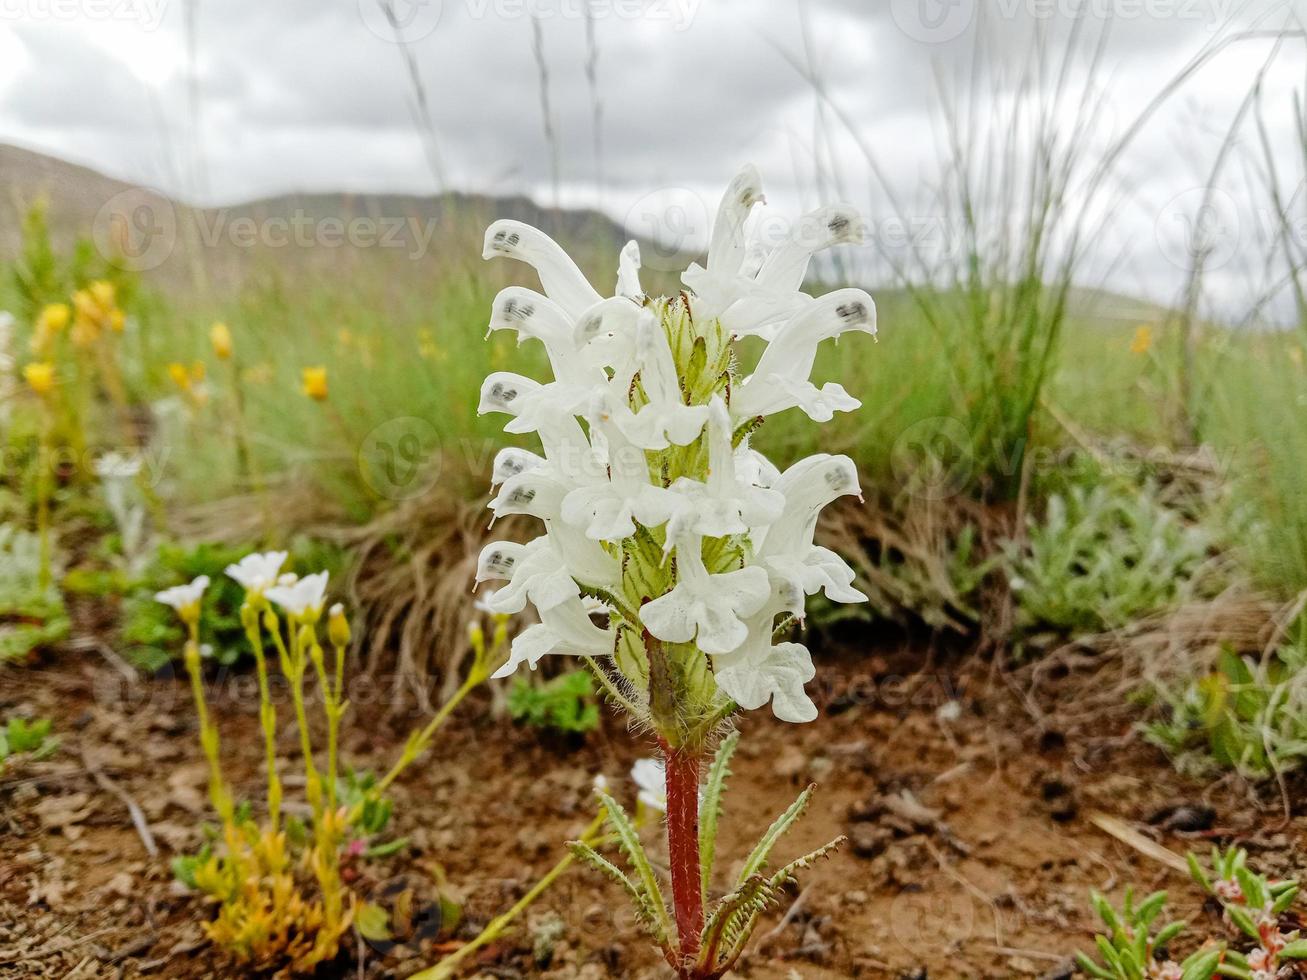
(682, 767)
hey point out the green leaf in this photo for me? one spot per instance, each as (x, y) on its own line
(1202, 965)
(711, 808)
(386, 849)
(1168, 933)
(1092, 968)
(1284, 897)
(757, 858)
(1240, 917)
(647, 915)
(1197, 873)
(372, 922)
(1296, 950)
(629, 840)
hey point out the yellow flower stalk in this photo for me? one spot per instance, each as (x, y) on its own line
(220, 338)
(51, 322)
(1142, 342)
(39, 376)
(180, 376)
(313, 382)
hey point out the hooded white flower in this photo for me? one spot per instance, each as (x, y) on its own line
(302, 598)
(256, 572)
(565, 628)
(608, 509)
(707, 609)
(659, 514)
(722, 504)
(182, 597)
(781, 379)
(788, 551)
(748, 286)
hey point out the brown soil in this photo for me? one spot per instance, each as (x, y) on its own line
(971, 850)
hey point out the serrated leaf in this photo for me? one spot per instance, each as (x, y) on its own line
(710, 809)
(646, 881)
(757, 858)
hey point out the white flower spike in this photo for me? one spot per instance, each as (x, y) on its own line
(672, 548)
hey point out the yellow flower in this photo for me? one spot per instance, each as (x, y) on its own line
(180, 376)
(52, 321)
(54, 317)
(220, 338)
(314, 382)
(102, 292)
(1142, 342)
(39, 376)
(116, 320)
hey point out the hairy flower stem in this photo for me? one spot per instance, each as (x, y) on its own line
(682, 767)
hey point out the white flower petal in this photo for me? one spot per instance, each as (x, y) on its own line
(562, 280)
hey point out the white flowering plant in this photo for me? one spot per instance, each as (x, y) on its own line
(675, 556)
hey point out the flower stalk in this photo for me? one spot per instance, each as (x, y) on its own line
(675, 555)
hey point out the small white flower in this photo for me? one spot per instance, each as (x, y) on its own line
(256, 572)
(115, 466)
(601, 782)
(666, 419)
(186, 596)
(303, 598)
(650, 778)
(535, 572)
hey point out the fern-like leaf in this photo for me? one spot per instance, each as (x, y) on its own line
(757, 859)
(629, 840)
(742, 921)
(643, 911)
(711, 808)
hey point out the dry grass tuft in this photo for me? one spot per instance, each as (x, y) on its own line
(411, 580)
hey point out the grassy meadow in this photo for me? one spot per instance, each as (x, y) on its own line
(1097, 499)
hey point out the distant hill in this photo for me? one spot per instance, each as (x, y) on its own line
(340, 234)
(161, 237)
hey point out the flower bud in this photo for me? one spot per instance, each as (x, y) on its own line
(338, 626)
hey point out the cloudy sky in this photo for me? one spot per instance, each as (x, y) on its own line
(316, 95)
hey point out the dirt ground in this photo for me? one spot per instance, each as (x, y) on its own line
(972, 834)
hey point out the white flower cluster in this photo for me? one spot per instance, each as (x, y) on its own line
(657, 505)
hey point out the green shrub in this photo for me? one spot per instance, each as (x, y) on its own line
(1103, 557)
(31, 618)
(1246, 715)
(564, 704)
